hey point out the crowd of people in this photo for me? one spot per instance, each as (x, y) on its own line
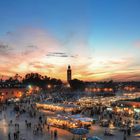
(40, 126)
(29, 112)
(106, 118)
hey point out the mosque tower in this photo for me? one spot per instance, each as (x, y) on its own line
(69, 72)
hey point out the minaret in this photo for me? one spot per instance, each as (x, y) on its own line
(69, 74)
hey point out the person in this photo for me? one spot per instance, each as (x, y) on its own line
(129, 131)
(105, 132)
(51, 134)
(26, 122)
(17, 134)
(73, 138)
(11, 122)
(4, 116)
(9, 136)
(14, 136)
(55, 133)
(18, 126)
(124, 137)
(48, 128)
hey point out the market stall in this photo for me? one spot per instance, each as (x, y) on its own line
(85, 121)
(58, 107)
(62, 122)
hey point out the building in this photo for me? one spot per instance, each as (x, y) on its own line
(69, 73)
(7, 93)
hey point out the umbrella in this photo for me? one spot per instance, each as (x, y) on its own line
(94, 138)
(137, 135)
(136, 128)
(79, 131)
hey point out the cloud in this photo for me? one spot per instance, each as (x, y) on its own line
(5, 50)
(57, 54)
(60, 54)
(29, 49)
(74, 56)
(136, 44)
(3, 47)
(32, 46)
(126, 76)
(9, 33)
(37, 50)
(40, 65)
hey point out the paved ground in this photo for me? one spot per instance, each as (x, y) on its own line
(62, 134)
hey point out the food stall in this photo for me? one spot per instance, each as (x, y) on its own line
(62, 122)
(58, 107)
(85, 121)
(70, 121)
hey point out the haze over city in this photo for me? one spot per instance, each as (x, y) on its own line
(99, 39)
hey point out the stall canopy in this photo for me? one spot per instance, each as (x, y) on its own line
(94, 138)
(79, 131)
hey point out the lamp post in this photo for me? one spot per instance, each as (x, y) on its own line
(49, 86)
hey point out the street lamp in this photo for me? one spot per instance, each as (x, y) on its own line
(49, 86)
(29, 86)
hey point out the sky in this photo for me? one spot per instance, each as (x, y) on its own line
(100, 39)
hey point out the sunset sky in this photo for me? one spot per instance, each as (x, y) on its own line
(100, 39)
